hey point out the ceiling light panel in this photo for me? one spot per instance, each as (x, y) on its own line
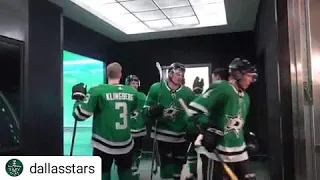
(100, 2)
(171, 3)
(194, 2)
(183, 21)
(136, 28)
(123, 0)
(139, 5)
(150, 15)
(179, 12)
(142, 16)
(205, 9)
(112, 9)
(124, 19)
(159, 24)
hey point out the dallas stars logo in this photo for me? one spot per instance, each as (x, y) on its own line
(170, 112)
(235, 124)
(14, 167)
(134, 115)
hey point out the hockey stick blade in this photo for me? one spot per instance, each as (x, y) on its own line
(231, 174)
(159, 69)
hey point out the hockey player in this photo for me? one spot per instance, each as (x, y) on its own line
(218, 74)
(227, 104)
(111, 105)
(138, 127)
(197, 89)
(162, 104)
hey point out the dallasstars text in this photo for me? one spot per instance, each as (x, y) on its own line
(48, 168)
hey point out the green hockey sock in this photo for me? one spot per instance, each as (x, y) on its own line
(193, 167)
(177, 168)
(125, 174)
(166, 171)
(136, 159)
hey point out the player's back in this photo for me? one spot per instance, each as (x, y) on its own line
(112, 116)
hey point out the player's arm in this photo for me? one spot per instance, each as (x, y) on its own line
(135, 103)
(201, 106)
(143, 100)
(250, 137)
(195, 122)
(152, 109)
(84, 109)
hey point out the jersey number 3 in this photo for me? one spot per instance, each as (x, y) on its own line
(122, 106)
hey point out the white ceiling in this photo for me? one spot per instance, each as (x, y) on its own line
(241, 16)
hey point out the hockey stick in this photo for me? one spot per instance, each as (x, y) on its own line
(154, 170)
(73, 136)
(231, 174)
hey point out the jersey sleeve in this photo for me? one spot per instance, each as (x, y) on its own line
(84, 109)
(205, 102)
(190, 96)
(201, 120)
(151, 99)
(246, 124)
(135, 103)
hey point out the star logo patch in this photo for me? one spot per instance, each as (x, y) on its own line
(170, 112)
(235, 124)
(134, 115)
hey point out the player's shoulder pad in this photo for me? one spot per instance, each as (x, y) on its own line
(187, 89)
(95, 88)
(142, 93)
(219, 83)
(130, 88)
(155, 85)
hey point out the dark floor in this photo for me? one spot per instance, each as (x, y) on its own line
(83, 148)
(260, 169)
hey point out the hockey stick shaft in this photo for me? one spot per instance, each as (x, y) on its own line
(231, 174)
(155, 145)
(73, 136)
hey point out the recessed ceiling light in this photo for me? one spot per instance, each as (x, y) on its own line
(142, 16)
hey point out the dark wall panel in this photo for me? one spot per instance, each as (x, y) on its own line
(43, 113)
(286, 103)
(84, 41)
(14, 19)
(269, 42)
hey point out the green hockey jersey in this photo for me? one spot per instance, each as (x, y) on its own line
(111, 107)
(227, 108)
(138, 127)
(202, 120)
(172, 126)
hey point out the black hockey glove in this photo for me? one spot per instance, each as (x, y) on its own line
(191, 136)
(79, 91)
(193, 128)
(252, 143)
(198, 85)
(156, 111)
(211, 137)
